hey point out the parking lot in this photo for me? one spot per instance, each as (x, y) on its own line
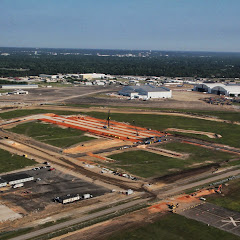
(37, 194)
(215, 216)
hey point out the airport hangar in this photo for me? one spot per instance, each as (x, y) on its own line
(146, 92)
(230, 90)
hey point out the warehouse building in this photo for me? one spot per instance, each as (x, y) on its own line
(206, 87)
(20, 86)
(146, 92)
(230, 90)
(12, 179)
(90, 76)
(227, 90)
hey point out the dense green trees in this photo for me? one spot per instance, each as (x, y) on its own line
(157, 64)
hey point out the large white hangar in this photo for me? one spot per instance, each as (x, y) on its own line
(146, 92)
(231, 90)
(227, 90)
(206, 87)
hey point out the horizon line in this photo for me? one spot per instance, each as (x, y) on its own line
(126, 49)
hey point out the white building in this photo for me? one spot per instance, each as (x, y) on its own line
(146, 92)
(232, 90)
(90, 76)
(206, 87)
(20, 86)
(227, 90)
(12, 179)
(69, 198)
(99, 82)
(88, 83)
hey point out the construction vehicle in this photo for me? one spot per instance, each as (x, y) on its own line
(219, 190)
(173, 207)
(18, 185)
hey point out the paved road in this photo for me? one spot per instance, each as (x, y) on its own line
(179, 189)
(79, 95)
(79, 220)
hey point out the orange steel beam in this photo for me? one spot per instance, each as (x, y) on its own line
(121, 131)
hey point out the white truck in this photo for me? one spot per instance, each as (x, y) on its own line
(18, 185)
(87, 196)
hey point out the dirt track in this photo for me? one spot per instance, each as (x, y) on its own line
(208, 134)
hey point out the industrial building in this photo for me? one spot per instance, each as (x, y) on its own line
(227, 90)
(206, 87)
(90, 76)
(146, 92)
(68, 198)
(12, 179)
(20, 86)
(231, 90)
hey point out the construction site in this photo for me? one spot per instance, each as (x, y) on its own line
(88, 174)
(111, 129)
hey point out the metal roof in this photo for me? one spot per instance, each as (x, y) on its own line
(148, 88)
(68, 196)
(212, 85)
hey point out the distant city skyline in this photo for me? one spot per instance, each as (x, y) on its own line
(167, 25)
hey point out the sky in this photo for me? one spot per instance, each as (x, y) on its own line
(181, 25)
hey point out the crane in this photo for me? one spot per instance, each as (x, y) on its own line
(135, 128)
(108, 120)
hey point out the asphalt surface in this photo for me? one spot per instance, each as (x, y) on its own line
(79, 220)
(36, 195)
(58, 94)
(215, 216)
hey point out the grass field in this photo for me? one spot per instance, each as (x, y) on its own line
(225, 115)
(231, 196)
(147, 164)
(10, 162)
(174, 227)
(230, 132)
(198, 154)
(51, 134)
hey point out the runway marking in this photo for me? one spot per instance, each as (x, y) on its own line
(231, 221)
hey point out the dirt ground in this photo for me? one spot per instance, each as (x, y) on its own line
(88, 95)
(208, 134)
(96, 144)
(180, 99)
(135, 219)
(102, 230)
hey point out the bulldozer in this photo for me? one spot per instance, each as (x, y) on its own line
(173, 207)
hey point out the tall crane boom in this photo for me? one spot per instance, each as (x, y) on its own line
(108, 119)
(135, 128)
